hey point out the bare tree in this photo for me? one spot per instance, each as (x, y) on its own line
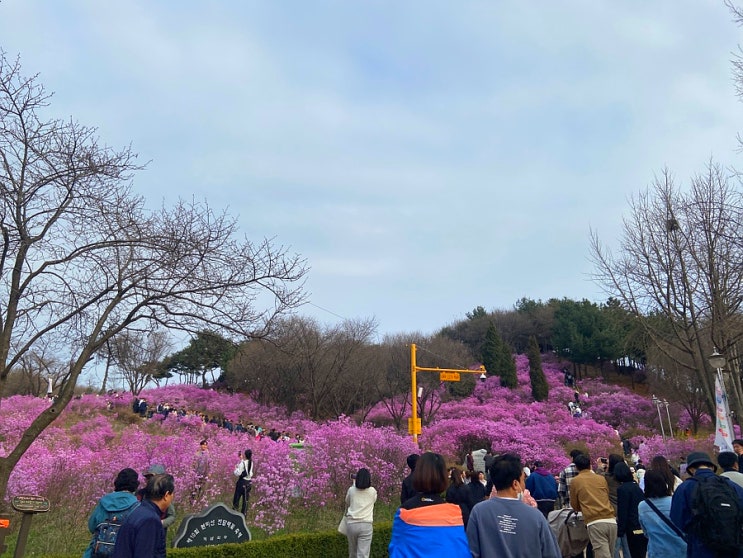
(393, 387)
(680, 270)
(321, 370)
(137, 355)
(83, 260)
(36, 374)
(670, 379)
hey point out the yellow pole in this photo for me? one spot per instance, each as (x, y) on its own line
(413, 394)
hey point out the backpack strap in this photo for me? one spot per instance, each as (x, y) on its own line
(665, 518)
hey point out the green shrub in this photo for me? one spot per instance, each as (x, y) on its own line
(324, 544)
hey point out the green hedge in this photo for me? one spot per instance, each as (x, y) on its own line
(323, 544)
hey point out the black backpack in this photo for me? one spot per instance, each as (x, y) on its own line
(104, 537)
(716, 515)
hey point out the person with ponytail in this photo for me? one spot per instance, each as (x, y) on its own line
(244, 474)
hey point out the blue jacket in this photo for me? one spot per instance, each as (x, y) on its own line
(108, 504)
(435, 531)
(142, 535)
(681, 512)
(663, 542)
(542, 485)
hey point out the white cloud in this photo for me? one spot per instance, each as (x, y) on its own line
(425, 157)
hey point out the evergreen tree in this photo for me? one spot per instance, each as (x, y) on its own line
(539, 387)
(497, 358)
(490, 350)
(506, 366)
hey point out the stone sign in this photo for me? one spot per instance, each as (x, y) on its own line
(218, 524)
(30, 504)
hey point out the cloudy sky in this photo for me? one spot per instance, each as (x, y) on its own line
(425, 157)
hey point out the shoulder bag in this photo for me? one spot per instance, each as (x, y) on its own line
(343, 525)
(665, 518)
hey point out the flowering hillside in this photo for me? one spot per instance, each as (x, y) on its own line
(97, 436)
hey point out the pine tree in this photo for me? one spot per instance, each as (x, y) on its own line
(539, 387)
(491, 350)
(507, 366)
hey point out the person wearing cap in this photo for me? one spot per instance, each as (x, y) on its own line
(142, 534)
(700, 466)
(168, 516)
(120, 500)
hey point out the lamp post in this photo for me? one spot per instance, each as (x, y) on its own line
(658, 404)
(717, 361)
(668, 414)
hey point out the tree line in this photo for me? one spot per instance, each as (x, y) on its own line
(88, 272)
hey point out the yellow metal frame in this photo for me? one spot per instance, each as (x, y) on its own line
(414, 423)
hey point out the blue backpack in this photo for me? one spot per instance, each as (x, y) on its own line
(104, 537)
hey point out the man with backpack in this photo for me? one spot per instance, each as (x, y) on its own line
(142, 534)
(110, 511)
(709, 509)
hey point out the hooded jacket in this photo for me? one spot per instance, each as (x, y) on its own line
(110, 503)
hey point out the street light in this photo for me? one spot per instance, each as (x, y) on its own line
(668, 414)
(658, 404)
(717, 361)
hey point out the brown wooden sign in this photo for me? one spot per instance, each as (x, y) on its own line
(30, 504)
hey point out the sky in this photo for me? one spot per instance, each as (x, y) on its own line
(425, 157)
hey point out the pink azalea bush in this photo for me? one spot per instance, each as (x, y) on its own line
(96, 436)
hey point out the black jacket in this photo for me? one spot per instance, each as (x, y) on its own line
(460, 495)
(407, 489)
(629, 496)
(477, 493)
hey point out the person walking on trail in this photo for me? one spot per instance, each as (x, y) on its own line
(566, 477)
(589, 494)
(698, 526)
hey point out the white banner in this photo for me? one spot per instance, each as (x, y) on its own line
(723, 427)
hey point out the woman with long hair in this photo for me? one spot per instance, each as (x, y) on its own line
(661, 464)
(457, 492)
(244, 474)
(664, 539)
(629, 497)
(360, 499)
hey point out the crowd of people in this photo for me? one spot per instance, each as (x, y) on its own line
(492, 506)
(162, 410)
(625, 509)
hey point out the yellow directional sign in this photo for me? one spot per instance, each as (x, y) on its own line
(449, 377)
(417, 423)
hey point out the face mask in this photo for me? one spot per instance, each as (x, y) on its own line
(520, 496)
